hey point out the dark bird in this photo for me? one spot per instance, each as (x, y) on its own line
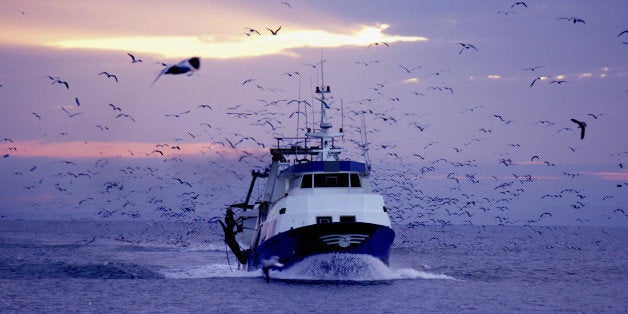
(251, 31)
(76, 100)
(533, 68)
(115, 108)
(574, 20)
(437, 73)
(545, 214)
(409, 70)
(506, 12)
(581, 126)
(62, 83)
(313, 65)
(177, 115)
(186, 66)
(71, 115)
(133, 59)
(274, 32)
(624, 32)
(466, 46)
(109, 75)
(377, 44)
(36, 115)
(538, 78)
(124, 115)
(286, 4)
(535, 156)
(518, 3)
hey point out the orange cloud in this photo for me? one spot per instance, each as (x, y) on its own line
(240, 46)
(120, 149)
(614, 176)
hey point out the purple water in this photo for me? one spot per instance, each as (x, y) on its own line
(89, 266)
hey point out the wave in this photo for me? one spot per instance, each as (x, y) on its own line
(349, 267)
(54, 270)
(208, 271)
(325, 267)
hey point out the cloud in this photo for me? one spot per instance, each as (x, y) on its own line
(412, 80)
(613, 176)
(238, 47)
(118, 149)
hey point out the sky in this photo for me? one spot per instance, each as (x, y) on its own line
(467, 105)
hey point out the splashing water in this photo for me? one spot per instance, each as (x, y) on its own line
(324, 267)
(349, 267)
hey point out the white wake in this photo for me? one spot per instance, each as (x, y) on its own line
(325, 267)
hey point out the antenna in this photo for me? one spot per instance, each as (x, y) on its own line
(299, 109)
(365, 143)
(327, 151)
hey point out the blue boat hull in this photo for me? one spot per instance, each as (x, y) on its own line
(293, 246)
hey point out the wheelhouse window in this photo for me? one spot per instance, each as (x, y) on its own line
(306, 181)
(355, 180)
(331, 180)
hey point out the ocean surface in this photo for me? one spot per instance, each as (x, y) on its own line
(138, 266)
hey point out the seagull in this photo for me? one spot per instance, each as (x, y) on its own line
(124, 115)
(545, 214)
(115, 108)
(466, 46)
(274, 32)
(581, 126)
(533, 68)
(573, 20)
(538, 78)
(59, 81)
(409, 70)
(377, 44)
(267, 264)
(251, 30)
(109, 75)
(71, 115)
(133, 59)
(186, 66)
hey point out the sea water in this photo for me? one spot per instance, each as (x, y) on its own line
(136, 266)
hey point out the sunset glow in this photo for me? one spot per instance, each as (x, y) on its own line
(237, 47)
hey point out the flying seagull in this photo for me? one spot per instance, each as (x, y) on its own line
(133, 59)
(268, 264)
(466, 46)
(186, 66)
(274, 32)
(581, 126)
(573, 20)
(109, 75)
(518, 3)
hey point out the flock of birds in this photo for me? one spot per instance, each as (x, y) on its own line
(140, 188)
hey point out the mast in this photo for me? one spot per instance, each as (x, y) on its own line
(326, 151)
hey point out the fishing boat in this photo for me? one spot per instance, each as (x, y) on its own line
(313, 203)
